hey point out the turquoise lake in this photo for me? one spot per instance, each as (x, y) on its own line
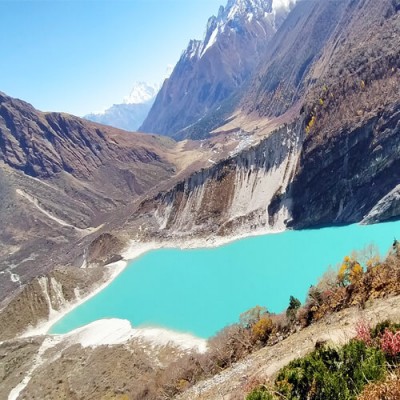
(202, 290)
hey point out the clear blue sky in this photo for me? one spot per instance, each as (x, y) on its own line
(79, 56)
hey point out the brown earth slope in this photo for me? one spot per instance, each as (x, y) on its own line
(59, 176)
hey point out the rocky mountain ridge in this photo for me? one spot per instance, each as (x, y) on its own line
(211, 70)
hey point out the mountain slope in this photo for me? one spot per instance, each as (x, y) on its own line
(281, 77)
(211, 70)
(59, 177)
(130, 114)
(320, 42)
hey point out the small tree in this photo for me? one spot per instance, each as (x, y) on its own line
(350, 272)
(291, 311)
(262, 329)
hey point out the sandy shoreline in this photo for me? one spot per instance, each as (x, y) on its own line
(152, 335)
(135, 250)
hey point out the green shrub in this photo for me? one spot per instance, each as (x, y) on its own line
(260, 393)
(380, 328)
(362, 364)
(330, 374)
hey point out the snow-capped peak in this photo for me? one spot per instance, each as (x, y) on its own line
(141, 93)
(282, 4)
(234, 9)
(235, 13)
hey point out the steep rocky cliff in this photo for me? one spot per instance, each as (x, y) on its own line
(343, 179)
(231, 196)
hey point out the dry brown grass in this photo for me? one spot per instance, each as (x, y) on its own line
(389, 389)
(381, 279)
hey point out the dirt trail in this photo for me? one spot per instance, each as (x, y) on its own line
(337, 328)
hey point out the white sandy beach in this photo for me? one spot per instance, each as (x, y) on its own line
(118, 331)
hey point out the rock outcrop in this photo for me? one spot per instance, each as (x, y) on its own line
(46, 295)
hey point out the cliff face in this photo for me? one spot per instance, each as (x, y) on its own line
(235, 192)
(342, 180)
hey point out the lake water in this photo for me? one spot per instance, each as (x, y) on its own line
(202, 290)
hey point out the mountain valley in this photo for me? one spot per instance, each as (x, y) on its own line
(280, 118)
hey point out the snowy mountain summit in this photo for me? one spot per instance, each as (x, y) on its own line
(129, 114)
(233, 16)
(141, 93)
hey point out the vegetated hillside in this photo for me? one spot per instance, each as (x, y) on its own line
(324, 43)
(210, 71)
(59, 175)
(360, 281)
(352, 116)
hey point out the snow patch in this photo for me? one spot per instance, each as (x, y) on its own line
(211, 41)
